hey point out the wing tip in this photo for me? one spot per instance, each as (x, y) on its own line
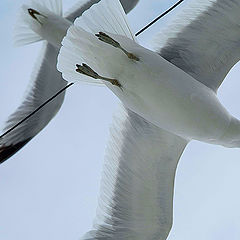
(7, 151)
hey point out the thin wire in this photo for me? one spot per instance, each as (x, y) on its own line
(36, 110)
(70, 84)
(156, 19)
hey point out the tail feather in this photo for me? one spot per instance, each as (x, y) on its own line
(24, 29)
(82, 46)
(105, 16)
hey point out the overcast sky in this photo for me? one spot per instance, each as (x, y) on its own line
(49, 189)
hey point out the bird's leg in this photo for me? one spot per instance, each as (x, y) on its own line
(107, 39)
(86, 70)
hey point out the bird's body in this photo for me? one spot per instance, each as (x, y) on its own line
(166, 104)
(165, 95)
(158, 91)
(42, 20)
(165, 108)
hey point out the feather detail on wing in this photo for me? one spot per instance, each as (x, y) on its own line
(54, 6)
(83, 5)
(46, 81)
(203, 40)
(136, 199)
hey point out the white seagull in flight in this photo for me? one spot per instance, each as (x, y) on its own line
(46, 80)
(169, 98)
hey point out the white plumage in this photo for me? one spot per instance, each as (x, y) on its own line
(141, 161)
(203, 40)
(136, 198)
(46, 80)
(179, 100)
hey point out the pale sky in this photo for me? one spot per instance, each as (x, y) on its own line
(49, 189)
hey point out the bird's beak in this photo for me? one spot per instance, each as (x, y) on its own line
(33, 13)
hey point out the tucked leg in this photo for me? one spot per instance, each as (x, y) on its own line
(107, 39)
(86, 70)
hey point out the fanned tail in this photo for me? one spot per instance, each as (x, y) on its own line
(24, 29)
(105, 16)
(82, 46)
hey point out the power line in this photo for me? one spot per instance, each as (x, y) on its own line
(36, 110)
(156, 19)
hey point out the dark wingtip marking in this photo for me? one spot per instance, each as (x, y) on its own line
(7, 151)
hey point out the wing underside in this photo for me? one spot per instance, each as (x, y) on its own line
(46, 81)
(138, 180)
(82, 6)
(203, 40)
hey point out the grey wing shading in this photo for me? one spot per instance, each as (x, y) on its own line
(81, 7)
(46, 82)
(128, 5)
(136, 199)
(203, 40)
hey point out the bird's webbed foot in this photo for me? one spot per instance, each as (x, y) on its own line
(107, 39)
(86, 70)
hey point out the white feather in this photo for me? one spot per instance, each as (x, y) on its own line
(107, 16)
(203, 40)
(25, 28)
(45, 82)
(138, 180)
(79, 8)
(82, 46)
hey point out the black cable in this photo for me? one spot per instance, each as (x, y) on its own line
(156, 19)
(36, 110)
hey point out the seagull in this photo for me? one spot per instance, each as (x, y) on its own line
(169, 98)
(35, 22)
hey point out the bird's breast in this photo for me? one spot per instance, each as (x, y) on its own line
(171, 99)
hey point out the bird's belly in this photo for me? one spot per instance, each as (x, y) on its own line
(171, 99)
(194, 115)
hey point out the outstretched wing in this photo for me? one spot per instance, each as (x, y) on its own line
(46, 81)
(84, 5)
(203, 40)
(136, 200)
